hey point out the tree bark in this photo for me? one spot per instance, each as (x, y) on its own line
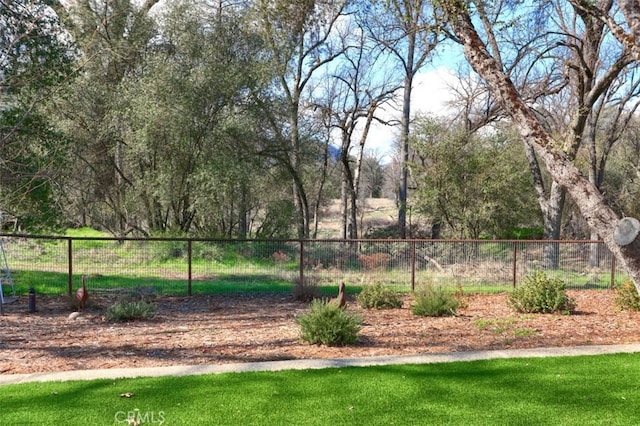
(626, 235)
(597, 213)
(553, 224)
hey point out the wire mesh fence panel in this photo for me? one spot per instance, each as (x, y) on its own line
(40, 262)
(354, 262)
(161, 265)
(200, 266)
(580, 264)
(386, 261)
(465, 263)
(223, 266)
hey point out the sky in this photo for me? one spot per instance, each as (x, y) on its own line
(430, 95)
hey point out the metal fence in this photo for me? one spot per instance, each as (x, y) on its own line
(54, 265)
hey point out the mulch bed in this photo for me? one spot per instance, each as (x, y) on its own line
(261, 327)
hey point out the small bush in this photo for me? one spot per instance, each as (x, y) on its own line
(327, 324)
(206, 251)
(541, 294)
(460, 297)
(627, 296)
(378, 296)
(130, 310)
(434, 302)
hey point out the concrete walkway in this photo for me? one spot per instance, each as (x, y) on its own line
(308, 364)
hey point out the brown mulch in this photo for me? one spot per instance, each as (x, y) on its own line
(259, 327)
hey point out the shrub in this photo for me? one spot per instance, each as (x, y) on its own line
(460, 297)
(541, 294)
(204, 250)
(327, 324)
(434, 302)
(130, 310)
(627, 296)
(379, 297)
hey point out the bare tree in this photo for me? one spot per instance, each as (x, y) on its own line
(594, 208)
(409, 32)
(357, 91)
(299, 38)
(563, 64)
(607, 124)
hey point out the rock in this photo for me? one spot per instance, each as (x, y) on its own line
(74, 315)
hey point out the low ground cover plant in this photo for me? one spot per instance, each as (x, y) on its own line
(378, 296)
(130, 309)
(434, 302)
(539, 293)
(328, 324)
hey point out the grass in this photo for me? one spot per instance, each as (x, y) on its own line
(56, 283)
(505, 326)
(585, 390)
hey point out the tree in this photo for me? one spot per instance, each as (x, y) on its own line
(300, 40)
(563, 64)
(355, 90)
(594, 208)
(475, 185)
(36, 51)
(373, 175)
(623, 174)
(408, 32)
(36, 56)
(113, 37)
(191, 100)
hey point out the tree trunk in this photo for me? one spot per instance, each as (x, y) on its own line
(404, 155)
(597, 213)
(344, 205)
(552, 225)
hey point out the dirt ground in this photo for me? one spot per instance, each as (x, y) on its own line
(246, 328)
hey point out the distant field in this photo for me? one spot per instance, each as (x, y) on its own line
(376, 213)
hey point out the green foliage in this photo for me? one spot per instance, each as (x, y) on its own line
(168, 250)
(35, 51)
(541, 294)
(435, 302)
(278, 217)
(378, 296)
(627, 296)
(33, 155)
(523, 233)
(130, 309)
(480, 185)
(211, 252)
(327, 324)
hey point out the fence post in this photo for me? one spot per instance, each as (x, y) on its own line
(413, 265)
(70, 260)
(515, 262)
(189, 267)
(613, 270)
(301, 262)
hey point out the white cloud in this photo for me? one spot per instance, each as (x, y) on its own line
(432, 91)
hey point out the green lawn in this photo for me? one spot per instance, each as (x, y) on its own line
(586, 390)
